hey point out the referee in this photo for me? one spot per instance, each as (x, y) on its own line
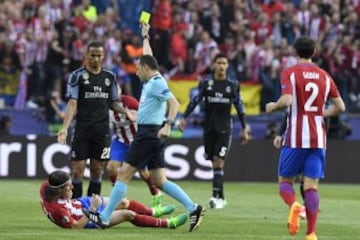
(147, 148)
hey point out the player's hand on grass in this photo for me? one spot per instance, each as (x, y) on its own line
(61, 136)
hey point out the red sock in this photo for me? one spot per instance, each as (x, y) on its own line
(147, 221)
(312, 209)
(287, 193)
(112, 178)
(140, 208)
(153, 189)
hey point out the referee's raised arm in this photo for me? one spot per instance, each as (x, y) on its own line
(146, 39)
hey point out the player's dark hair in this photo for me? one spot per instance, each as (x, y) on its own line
(94, 44)
(57, 180)
(149, 61)
(305, 47)
(220, 55)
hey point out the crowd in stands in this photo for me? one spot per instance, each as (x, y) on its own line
(41, 41)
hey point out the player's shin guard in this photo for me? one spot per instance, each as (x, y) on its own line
(78, 188)
(94, 187)
(287, 193)
(312, 208)
(218, 183)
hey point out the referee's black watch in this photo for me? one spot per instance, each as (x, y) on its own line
(170, 122)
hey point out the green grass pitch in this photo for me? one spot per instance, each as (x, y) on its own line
(254, 212)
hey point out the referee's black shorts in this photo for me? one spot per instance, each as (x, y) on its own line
(146, 149)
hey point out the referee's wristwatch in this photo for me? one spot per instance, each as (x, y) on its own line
(170, 122)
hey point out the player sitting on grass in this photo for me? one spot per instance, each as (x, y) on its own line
(61, 209)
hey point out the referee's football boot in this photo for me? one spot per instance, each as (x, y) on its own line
(196, 217)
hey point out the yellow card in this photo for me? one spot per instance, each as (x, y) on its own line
(145, 17)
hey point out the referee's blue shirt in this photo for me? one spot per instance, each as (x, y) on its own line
(154, 96)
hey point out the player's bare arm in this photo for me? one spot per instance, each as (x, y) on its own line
(71, 109)
(284, 101)
(335, 108)
(80, 224)
(115, 106)
(173, 106)
(245, 135)
(95, 203)
(278, 138)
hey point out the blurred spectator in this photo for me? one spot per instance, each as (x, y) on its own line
(112, 47)
(303, 17)
(55, 112)
(54, 64)
(262, 28)
(178, 48)
(101, 5)
(5, 125)
(317, 23)
(237, 57)
(89, 11)
(131, 54)
(122, 77)
(9, 79)
(161, 24)
(212, 21)
(53, 11)
(272, 6)
(205, 51)
(290, 29)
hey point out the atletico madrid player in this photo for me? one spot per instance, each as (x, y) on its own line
(304, 90)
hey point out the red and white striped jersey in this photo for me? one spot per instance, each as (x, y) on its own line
(124, 129)
(310, 87)
(62, 212)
